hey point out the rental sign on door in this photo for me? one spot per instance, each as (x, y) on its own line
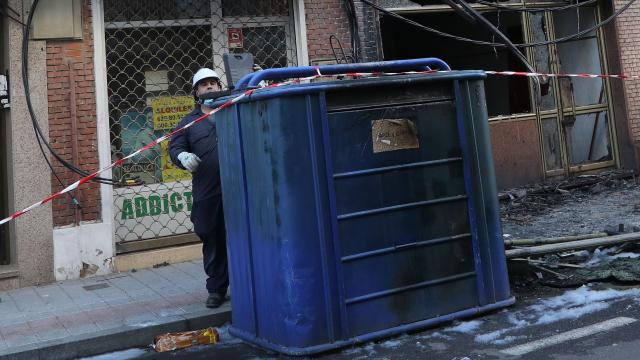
(168, 110)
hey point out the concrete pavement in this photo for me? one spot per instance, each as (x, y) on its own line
(90, 316)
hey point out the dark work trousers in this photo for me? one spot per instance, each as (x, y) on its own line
(208, 220)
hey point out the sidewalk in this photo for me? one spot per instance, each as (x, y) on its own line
(101, 314)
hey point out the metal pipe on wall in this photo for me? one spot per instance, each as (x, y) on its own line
(73, 106)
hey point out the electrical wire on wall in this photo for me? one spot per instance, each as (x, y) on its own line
(471, 12)
(36, 126)
(354, 29)
(494, 30)
(25, 81)
(535, 9)
(4, 11)
(575, 36)
(466, 11)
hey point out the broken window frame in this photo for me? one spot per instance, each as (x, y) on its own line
(561, 112)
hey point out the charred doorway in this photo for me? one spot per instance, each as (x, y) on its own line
(572, 116)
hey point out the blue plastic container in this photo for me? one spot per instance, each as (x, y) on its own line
(359, 209)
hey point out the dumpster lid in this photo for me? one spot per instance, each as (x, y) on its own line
(321, 86)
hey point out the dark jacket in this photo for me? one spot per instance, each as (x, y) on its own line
(200, 139)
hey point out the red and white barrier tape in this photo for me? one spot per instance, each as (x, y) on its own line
(76, 184)
(157, 141)
(588, 76)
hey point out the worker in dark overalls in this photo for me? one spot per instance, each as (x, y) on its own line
(196, 150)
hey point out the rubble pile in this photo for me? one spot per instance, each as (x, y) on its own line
(575, 231)
(521, 205)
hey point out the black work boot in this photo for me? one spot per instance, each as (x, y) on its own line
(214, 300)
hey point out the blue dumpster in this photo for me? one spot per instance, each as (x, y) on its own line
(359, 209)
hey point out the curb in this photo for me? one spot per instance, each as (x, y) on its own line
(121, 338)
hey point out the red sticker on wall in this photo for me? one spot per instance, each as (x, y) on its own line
(235, 38)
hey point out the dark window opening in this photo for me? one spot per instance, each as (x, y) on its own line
(505, 95)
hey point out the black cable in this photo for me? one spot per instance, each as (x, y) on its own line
(575, 36)
(580, 33)
(73, 198)
(493, 29)
(39, 132)
(6, 4)
(36, 126)
(354, 29)
(535, 9)
(429, 29)
(11, 17)
(507, 42)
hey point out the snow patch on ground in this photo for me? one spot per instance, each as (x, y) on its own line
(582, 296)
(395, 343)
(465, 327)
(141, 324)
(508, 340)
(352, 351)
(370, 351)
(119, 355)
(491, 337)
(571, 313)
(607, 255)
(421, 346)
(582, 253)
(391, 344)
(512, 319)
(570, 305)
(436, 335)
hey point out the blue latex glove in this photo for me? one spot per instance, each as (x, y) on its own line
(189, 161)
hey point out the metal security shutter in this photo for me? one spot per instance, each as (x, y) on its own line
(153, 48)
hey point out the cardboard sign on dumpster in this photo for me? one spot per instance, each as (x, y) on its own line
(393, 134)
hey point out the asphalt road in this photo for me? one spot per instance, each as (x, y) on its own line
(608, 329)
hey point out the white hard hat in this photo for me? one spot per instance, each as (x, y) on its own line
(204, 73)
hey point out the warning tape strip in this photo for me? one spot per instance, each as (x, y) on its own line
(590, 76)
(157, 141)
